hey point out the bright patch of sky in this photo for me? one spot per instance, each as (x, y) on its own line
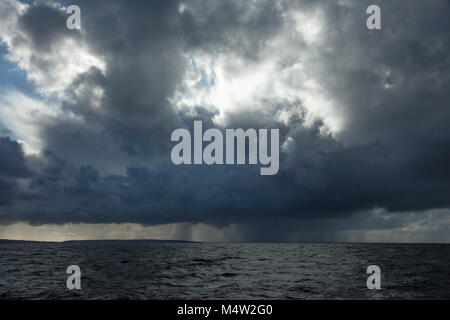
(11, 76)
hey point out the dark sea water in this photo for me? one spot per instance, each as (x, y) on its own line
(223, 271)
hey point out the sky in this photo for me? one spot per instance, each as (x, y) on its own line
(86, 118)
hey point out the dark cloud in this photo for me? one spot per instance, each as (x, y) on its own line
(8, 191)
(44, 26)
(12, 160)
(143, 51)
(390, 86)
(12, 166)
(235, 26)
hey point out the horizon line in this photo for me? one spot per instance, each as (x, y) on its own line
(220, 242)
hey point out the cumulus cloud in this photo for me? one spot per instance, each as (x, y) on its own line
(12, 166)
(38, 43)
(362, 114)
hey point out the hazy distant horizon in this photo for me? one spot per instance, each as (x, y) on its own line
(216, 242)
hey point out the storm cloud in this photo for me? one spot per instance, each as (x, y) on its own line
(363, 114)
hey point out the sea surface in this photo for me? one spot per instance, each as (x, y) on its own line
(223, 271)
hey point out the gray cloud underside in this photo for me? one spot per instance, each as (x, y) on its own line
(393, 153)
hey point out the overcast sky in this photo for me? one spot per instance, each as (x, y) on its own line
(86, 117)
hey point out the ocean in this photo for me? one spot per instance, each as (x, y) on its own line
(140, 270)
